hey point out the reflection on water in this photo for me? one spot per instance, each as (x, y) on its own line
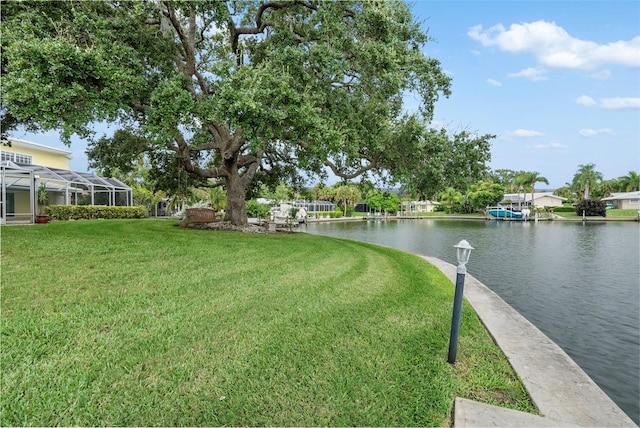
(578, 283)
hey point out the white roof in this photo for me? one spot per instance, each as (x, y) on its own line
(15, 142)
(625, 195)
(527, 196)
(421, 203)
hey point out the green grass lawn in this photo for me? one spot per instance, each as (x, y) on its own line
(613, 213)
(142, 323)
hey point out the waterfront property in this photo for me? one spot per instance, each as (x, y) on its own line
(575, 281)
(411, 207)
(626, 200)
(231, 329)
(542, 199)
(27, 168)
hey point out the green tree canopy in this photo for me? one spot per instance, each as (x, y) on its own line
(439, 160)
(629, 182)
(585, 178)
(383, 201)
(347, 194)
(450, 197)
(484, 194)
(225, 90)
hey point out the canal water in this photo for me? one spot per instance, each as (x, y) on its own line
(578, 283)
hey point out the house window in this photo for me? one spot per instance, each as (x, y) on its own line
(16, 157)
(634, 201)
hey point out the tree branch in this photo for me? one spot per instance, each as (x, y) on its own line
(236, 32)
(187, 64)
(373, 162)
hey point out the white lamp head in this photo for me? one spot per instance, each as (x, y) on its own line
(463, 252)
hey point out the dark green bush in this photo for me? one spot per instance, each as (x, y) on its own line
(564, 209)
(591, 207)
(80, 212)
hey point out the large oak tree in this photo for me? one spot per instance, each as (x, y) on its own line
(224, 90)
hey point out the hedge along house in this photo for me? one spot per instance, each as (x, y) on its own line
(26, 166)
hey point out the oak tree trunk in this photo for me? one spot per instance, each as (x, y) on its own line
(236, 211)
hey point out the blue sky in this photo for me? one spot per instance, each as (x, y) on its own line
(557, 82)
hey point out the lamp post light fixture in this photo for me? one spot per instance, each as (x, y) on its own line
(463, 252)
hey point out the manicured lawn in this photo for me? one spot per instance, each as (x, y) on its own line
(141, 323)
(614, 213)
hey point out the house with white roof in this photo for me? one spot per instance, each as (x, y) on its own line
(626, 200)
(538, 199)
(419, 206)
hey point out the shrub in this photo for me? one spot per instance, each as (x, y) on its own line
(255, 209)
(564, 209)
(591, 207)
(80, 212)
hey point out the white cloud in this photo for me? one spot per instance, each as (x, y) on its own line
(554, 47)
(533, 74)
(554, 145)
(616, 103)
(475, 52)
(620, 103)
(494, 82)
(522, 133)
(594, 132)
(586, 100)
(601, 75)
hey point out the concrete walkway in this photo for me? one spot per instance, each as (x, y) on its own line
(562, 391)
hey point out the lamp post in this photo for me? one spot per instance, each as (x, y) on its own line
(463, 253)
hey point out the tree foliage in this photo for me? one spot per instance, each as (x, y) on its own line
(527, 180)
(449, 198)
(629, 182)
(232, 91)
(383, 201)
(439, 160)
(584, 179)
(348, 195)
(484, 194)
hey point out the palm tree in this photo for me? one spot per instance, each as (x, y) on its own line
(217, 198)
(630, 182)
(564, 191)
(584, 178)
(526, 180)
(450, 196)
(606, 187)
(530, 179)
(348, 194)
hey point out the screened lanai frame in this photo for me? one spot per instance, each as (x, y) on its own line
(64, 187)
(314, 206)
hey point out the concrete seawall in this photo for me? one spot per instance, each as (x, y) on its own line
(562, 391)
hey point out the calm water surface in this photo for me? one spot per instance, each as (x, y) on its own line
(578, 283)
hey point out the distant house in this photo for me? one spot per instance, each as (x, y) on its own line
(627, 200)
(542, 199)
(419, 206)
(26, 166)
